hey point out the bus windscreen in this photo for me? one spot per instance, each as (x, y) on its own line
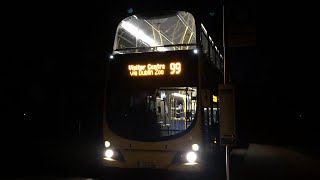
(152, 113)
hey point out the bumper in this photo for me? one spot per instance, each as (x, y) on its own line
(197, 167)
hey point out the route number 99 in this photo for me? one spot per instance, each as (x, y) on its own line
(175, 68)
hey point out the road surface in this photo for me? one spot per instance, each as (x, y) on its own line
(79, 162)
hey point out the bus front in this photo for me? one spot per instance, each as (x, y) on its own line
(151, 117)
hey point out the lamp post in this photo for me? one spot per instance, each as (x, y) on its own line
(224, 82)
(224, 46)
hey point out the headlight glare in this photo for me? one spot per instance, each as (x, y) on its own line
(107, 144)
(195, 147)
(108, 153)
(191, 156)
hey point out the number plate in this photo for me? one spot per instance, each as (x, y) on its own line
(145, 164)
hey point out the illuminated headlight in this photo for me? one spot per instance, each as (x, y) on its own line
(195, 147)
(111, 56)
(191, 157)
(107, 144)
(108, 153)
(113, 155)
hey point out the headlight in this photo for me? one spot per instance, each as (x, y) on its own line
(191, 157)
(195, 147)
(107, 144)
(113, 155)
(108, 153)
(185, 158)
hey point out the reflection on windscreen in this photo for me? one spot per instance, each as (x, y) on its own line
(151, 114)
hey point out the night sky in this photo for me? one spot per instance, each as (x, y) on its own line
(54, 67)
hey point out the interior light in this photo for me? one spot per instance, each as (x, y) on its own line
(139, 34)
(180, 95)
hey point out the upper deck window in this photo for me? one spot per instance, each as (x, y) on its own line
(170, 31)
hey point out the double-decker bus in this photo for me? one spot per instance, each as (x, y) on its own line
(161, 107)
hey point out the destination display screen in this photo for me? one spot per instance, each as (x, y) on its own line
(155, 69)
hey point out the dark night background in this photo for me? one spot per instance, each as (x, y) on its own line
(54, 68)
